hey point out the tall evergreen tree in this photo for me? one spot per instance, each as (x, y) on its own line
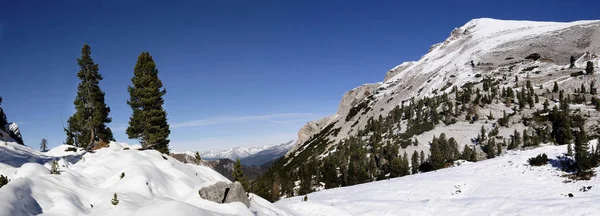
(572, 60)
(582, 159)
(555, 87)
(237, 174)
(415, 162)
(148, 122)
(88, 123)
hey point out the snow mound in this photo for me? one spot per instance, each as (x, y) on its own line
(505, 185)
(152, 184)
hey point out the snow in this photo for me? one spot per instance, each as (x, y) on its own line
(152, 185)
(505, 185)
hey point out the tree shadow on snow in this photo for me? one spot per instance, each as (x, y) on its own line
(18, 158)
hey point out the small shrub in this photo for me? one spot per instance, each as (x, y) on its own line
(3, 180)
(73, 149)
(539, 160)
(576, 74)
(54, 169)
(533, 56)
(426, 167)
(126, 148)
(477, 75)
(305, 198)
(114, 200)
(122, 175)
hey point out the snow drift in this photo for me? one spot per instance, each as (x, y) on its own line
(152, 184)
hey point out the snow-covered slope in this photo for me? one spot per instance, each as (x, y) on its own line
(505, 185)
(153, 184)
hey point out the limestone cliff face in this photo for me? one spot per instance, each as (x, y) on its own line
(308, 130)
(349, 100)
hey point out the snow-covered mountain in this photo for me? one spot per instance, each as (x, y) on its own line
(505, 185)
(268, 154)
(495, 47)
(256, 155)
(504, 63)
(146, 183)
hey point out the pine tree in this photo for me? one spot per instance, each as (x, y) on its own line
(44, 145)
(197, 157)
(546, 105)
(405, 165)
(473, 157)
(415, 162)
(54, 168)
(115, 200)
(582, 160)
(589, 67)
(491, 152)
(148, 122)
(499, 149)
(593, 90)
(466, 154)
(88, 123)
(422, 157)
(572, 60)
(555, 88)
(238, 175)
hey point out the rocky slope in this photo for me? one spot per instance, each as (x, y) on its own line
(493, 45)
(449, 82)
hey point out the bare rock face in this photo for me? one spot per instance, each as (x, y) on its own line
(396, 70)
(222, 192)
(349, 100)
(354, 96)
(308, 130)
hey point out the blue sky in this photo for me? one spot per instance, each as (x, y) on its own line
(237, 73)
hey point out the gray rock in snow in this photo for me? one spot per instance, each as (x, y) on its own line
(222, 192)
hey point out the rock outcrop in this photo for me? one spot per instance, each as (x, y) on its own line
(222, 192)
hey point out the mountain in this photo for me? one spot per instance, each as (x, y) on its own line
(248, 156)
(267, 154)
(501, 186)
(145, 183)
(489, 87)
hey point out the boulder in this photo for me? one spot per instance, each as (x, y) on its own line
(222, 192)
(237, 194)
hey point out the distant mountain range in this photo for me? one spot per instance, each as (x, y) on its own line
(248, 155)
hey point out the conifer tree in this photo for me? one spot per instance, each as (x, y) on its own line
(546, 104)
(415, 162)
(499, 149)
(491, 151)
(88, 123)
(405, 165)
(237, 174)
(422, 157)
(148, 123)
(593, 90)
(115, 200)
(555, 88)
(572, 60)
(473, 157)
(582, 159)
(197, 157)
(589, 67)
(44, 145)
